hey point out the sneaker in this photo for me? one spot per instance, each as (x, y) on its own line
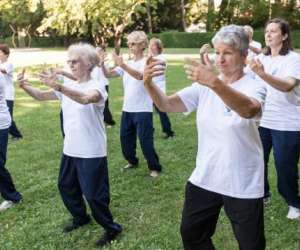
(107, 238)
(75, 225)
(154, 173)
(167, 136)
(6, 205)
(294, 213)
(129, 166)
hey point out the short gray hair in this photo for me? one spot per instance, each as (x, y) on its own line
(234, 36)
(86, 52)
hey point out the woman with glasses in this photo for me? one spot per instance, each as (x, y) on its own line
(136, 120)
(83, 169)
(279, 67)
(229, 168)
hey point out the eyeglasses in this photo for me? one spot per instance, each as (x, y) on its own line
(72, 62)
(131, 44)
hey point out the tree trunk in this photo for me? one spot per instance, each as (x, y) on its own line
(182, 7)
(148, 4)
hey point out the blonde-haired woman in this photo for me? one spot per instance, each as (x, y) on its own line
(136, 117)
(83, 169)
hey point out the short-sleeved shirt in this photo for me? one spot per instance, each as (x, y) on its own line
(160, 81)
(5, 119)
(136, 97)
(281, 112)
(84, 128)
(98, 75)
(230, 155)
(8, 79)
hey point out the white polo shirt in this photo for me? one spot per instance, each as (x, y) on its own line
(136, 98)
(84, 128)
(230, 155)
(5, 119)
(8, 78)
(160, 81)
(281, 112)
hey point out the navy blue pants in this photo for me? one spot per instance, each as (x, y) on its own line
(13, 130)
(7, 188)
(165, 122)
(138, 124)
(200, 215)
(286, 149)
(86, 177)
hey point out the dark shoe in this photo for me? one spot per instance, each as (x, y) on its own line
(107, 238)
(74, 225)
(167, 136)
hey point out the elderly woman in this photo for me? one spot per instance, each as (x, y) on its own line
(229, 167)
(155, 50)
(7, 189)
(279, 67)
(136, 120)
(83, 169)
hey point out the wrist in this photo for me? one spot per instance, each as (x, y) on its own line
(58, 88)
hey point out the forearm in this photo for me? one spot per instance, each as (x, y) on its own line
(134, 73)
(283, 85)
(245, 106)
(34, 92)
(108, 73)
(77, 96)
(68, 75)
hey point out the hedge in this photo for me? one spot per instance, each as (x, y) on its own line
(170, 39)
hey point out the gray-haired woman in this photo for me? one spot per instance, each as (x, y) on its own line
(83, 169)
(229, 168)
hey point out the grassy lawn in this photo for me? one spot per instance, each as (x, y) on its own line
(149, 209)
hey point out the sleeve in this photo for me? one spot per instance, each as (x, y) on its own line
(293, 96)
(101, 89)
(292, 68)
(190, 97)
(8, 67)
(119, 71)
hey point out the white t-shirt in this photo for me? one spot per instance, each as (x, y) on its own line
(84, 128)
(251, 54)
(98, 75)
(230, 155)
(8, 78)
(136, 98)
(5, 119)
(160, 81)
(280, 112)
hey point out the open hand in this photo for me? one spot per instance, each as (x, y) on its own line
(257, 67)
(22, 82)
(154, 67)
(49, 78)
(117, 59)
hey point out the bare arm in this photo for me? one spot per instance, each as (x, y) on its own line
(92, 96)
(165, 103)
(284, 85)
(134, 73)
(245, 106)
(255, 50)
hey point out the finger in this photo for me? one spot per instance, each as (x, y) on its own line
(190, 61)
(207, 61)
(149, 60)
(157, 73)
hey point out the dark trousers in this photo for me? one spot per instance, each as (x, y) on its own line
(61, 119)
(286, 149)
(138, 124)
(7, 188)
(13, 130)
(108, 119)
(86, 177)
(165, 122)
(200, 215)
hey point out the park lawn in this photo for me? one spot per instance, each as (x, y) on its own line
(149, 209)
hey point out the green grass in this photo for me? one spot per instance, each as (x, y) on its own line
(149, 209)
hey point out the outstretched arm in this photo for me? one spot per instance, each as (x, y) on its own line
(165, 103)
(205, 75)
(284, 85)
(134, 73)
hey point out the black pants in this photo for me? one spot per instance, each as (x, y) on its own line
(200, 215)
(13, 130)
(7, 188)
(165, 122)
(108, 119)
(138, 124)
(86, 177)
(286, 150)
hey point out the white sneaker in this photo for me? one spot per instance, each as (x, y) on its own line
(154, 174)
(6, 205)
(294, 213)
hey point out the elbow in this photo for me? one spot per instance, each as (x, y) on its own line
(250, 112)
